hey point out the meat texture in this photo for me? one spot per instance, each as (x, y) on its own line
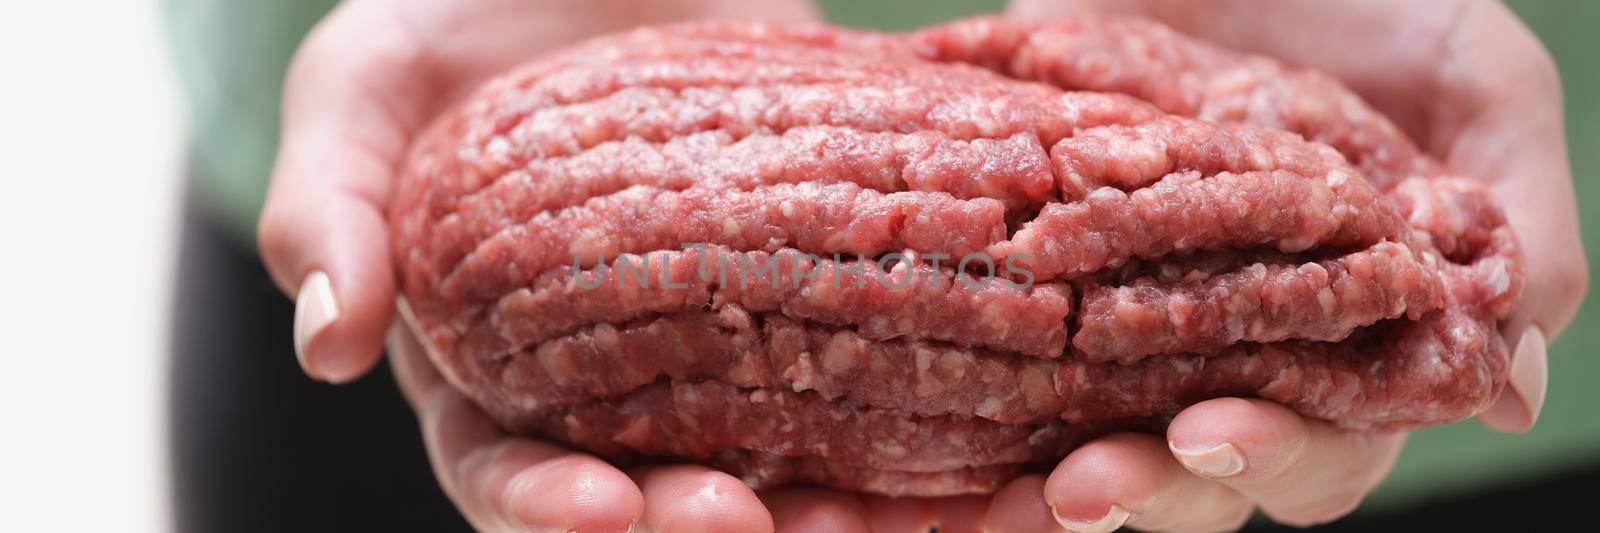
(926, 263)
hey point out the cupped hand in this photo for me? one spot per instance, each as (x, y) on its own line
(1476, 88)
(1463, 77)
(367, 79)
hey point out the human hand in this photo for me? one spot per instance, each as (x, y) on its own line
(1478, 91)
(358, 111)
(361, 85)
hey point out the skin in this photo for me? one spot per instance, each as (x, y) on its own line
(1464, 77)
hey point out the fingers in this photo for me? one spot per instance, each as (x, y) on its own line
(408, 359)
(690, 498)
(350, 104)
(810, 510)
(1298, 471)
(332, 252)
(918, 515)
(506, 483)
(531, 486)
(1019, 506)
(1131, 479)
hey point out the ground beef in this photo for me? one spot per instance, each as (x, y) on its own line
(911, 299)
(1350, 381)
(1324, 300)
(1188, 211)
(1131, 157)
(836, 218)
(1184, 76)
(923, 264)
(672, 418)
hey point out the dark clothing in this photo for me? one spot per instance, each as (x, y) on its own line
(258, 446)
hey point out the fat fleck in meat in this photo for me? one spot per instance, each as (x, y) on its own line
(1174, 222)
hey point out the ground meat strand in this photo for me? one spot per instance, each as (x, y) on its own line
(912, 299)
(1130, 157)
(1442, 368)
(1185, 212)
(698, 419)
(816, 218)
(1324, 300)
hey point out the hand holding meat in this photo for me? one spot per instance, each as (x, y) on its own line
(1194, 224)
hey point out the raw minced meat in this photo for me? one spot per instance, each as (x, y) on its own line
(926, 263)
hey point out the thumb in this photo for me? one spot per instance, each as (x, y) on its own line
(350, 105)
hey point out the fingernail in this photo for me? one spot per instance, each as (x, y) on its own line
(315, 308)
(1114, 518)
(1221, 461)
(1518, 407)
(1530, 371)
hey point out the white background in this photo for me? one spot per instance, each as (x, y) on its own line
(89, 163)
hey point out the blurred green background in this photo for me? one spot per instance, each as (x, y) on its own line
(231, 55)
